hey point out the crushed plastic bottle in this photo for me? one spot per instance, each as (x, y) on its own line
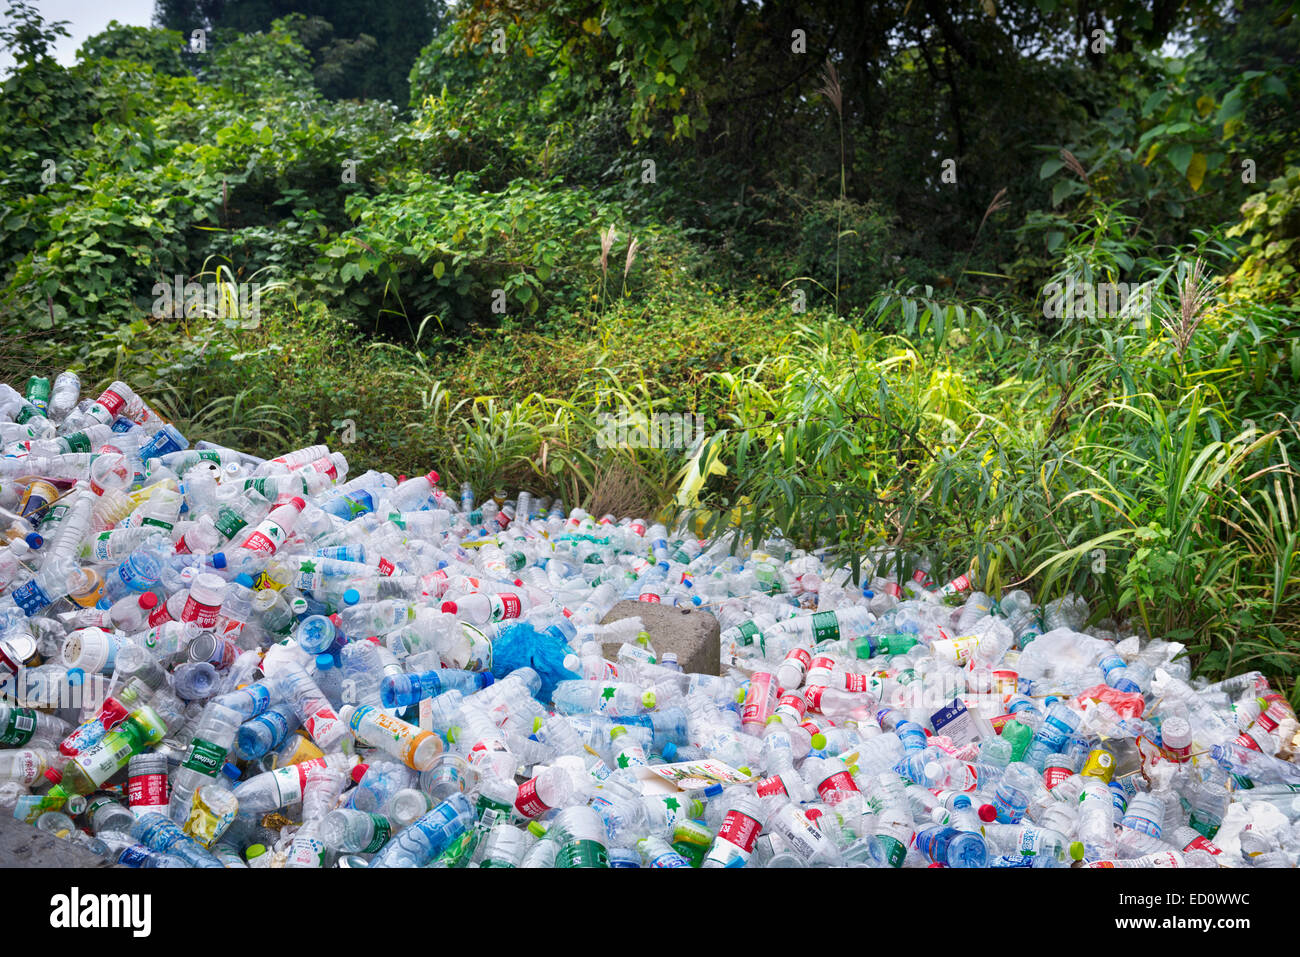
(406, 677)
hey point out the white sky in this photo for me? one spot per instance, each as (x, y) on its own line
(85, 19)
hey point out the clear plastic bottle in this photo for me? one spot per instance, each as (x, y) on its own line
(214, 737)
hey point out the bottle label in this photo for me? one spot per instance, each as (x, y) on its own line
(134, 856)
(528, 803)
(1199, 843)
(741, 830)
(146, 792)
(1054, 775)
(260, 542)
(825, 626)
(30, 598)
(582, 854)
(20, 727)
(386, 567)
(839, 781)
(205, 757)
(105, 759)
(510, 605)
(893, 850)
(771, 787)
(857, 683)
(205, 616)
(228, 522)
(383, 830)
(157, 523)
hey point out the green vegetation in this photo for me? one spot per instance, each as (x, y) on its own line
(1074, 367)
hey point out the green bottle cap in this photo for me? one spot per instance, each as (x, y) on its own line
(818, 741)
(648, 699)
(254, 850)
(1076, 851)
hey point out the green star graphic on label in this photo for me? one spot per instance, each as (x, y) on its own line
(622, 761)
(355, 508)
(672, 804)
(274, 532)
(308, 568)
(608, 694)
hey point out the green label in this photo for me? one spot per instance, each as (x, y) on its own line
(25, 413)
(501, 865)
(205, 757)
(893, 850)
(747, 632)
(78, 442)
(383, 831)
(207, 455)
(20, 727)
(582, 854)
(826, 627)
(157, 522)
(228, 522)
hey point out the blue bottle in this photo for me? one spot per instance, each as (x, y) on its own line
(401, 691)
(422, 841)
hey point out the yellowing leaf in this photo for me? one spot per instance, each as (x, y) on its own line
(1196, 171)
(1204, 105)
(1151, 154)
(592, 26)
(438, 269)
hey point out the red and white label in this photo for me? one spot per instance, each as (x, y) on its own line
(741, 830)
(650, 596)
(839, 781)
(771, 787)
(387, 568)
(111, 401)
(813, 696)
(160, 615)
(258, 542)
(795, 703)
(856, 683)
(145, 792)
(1200, 843)
(511, 606)
(528, 803)
(205, 616)
(1055, 775)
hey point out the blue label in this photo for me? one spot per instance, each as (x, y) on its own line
(134, 856)
(947, 714)
(30, 598)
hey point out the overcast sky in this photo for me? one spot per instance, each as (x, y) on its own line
(85, 19)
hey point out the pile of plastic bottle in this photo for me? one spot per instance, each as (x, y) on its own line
(214, 660)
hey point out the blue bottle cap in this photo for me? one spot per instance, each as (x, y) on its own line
(713, 790)
(219, 560)
(324, 661)
(230, 771)
(351, 596)
(670, 752)
(34, 540)
(243, 578)
(488, 678)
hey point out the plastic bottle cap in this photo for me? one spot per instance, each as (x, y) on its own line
(537, 725)
(54, 776)
(451, 733)
(648, 699)
(819, 741)
(359, 772)
(254, 850)
(1076, 851)
(670, 752)
(432, 477)
(351, 596)
(148, 601)
(232, 772)
(617, 732)
(34, 540)
(713, 790)
(449, 608)
(219, 560)
(988, 813)
(745, 770)
(324, 662)
(536, 828)
(643, 637)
